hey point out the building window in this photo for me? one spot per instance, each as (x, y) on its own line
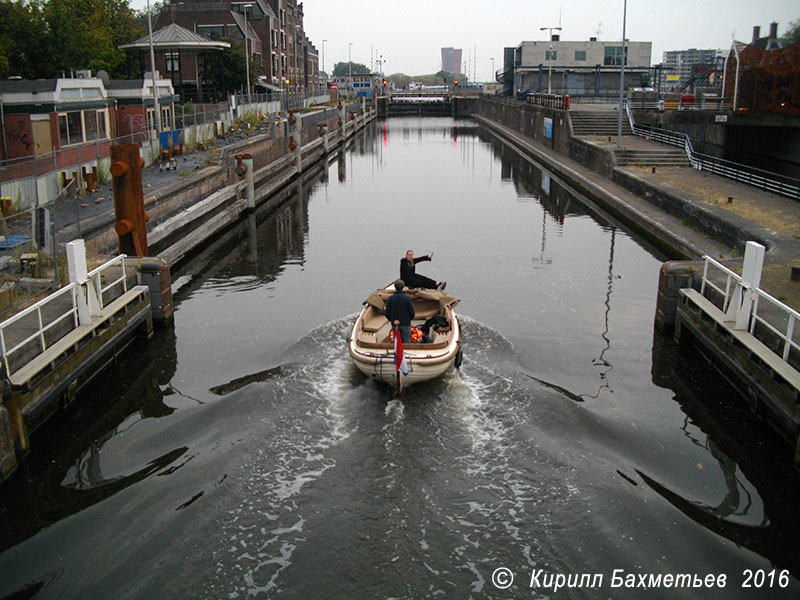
(90, 125)
(613, 56)
(69, 128)
(550, 54)
(283, 41)
(580, 55)
(212, 32)
(235, 33)
(173, 61)
(283, 18)
(166, 118)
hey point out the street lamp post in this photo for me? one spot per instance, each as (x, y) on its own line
(622, 75)
(323, 57)
(246, 51)
(492, 78)
(350, 68)
(156, 108)
(550, 57)
(296, 78)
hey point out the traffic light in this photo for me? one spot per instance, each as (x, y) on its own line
(384, 83)
(455, 82)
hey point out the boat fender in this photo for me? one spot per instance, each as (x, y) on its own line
(459, 358)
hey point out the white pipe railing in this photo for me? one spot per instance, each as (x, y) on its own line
(70, 289)
(94, 286)
(95, 277)
(786, 312)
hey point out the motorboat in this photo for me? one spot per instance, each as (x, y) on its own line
(371, 342)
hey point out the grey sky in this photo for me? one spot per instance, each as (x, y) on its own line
(410, 34)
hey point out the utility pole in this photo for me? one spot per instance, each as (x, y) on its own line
(622, 75)
(156, 108)
(247, 51)
(550, 57)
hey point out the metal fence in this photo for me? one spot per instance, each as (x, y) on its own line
(31, 331)
(548, 100)
(776, 183)
(775, 316)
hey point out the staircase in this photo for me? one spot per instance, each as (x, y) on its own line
(659, 157)
(598, 122)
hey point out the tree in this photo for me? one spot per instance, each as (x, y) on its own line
(44, 38)
(791, 36)
(341, 69)
(24, 46)
(399, 80)
(85, 34)
(234, 67)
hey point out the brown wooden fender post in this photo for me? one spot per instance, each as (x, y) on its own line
(126, 169)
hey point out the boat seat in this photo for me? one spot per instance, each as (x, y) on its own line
(373, 321)
(425, 309)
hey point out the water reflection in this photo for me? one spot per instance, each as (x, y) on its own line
(743, 503)
(65, 474)
(68, 473)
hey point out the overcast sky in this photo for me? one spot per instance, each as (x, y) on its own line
(410, 34)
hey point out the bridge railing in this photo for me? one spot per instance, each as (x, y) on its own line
(776, 183)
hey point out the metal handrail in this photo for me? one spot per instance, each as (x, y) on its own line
(766, 180)
(95, 276)
(39, 333)
(754, 318)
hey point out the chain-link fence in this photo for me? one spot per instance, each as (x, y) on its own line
(31, 263)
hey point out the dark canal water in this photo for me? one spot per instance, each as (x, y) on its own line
(241, 454)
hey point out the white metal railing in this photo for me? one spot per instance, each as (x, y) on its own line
(71, 289)
(95, 276)
(94, 289)
(787, 313)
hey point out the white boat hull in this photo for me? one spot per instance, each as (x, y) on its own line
(424, 363)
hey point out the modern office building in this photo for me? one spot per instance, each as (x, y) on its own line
(451, 60)
(589, 68)
(679, 67)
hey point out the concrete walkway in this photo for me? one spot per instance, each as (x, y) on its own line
(778, 215)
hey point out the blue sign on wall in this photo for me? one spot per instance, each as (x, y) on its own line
(548, 128)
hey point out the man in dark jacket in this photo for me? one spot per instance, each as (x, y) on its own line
(409, 276)
(399, 307)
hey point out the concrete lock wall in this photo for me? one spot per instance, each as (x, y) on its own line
(527, 119)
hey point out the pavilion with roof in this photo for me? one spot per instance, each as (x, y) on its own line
(187, 59)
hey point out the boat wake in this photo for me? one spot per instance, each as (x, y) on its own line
(319, 416)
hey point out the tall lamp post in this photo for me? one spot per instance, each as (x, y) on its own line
(156, 108)
(492, 77)
(622, 75)
(350, 68)
(550, 57)
(246, 50)
(296, 77)
(323, 57)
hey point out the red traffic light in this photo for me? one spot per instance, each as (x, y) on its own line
(455, 82)
(384, 82)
